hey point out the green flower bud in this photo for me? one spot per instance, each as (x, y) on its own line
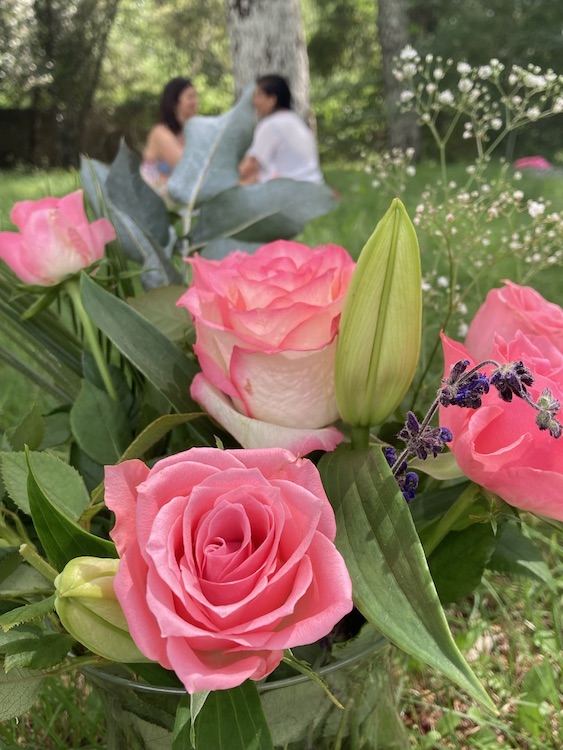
(380, 328)
(88, 608)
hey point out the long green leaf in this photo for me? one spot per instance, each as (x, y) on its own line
(233, 720)
(170, 371)
(61, 537)
(392, 585)
(18, 691)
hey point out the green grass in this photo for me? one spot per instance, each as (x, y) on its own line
(510, 627)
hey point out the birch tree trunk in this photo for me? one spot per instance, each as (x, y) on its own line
(392, 22)
(266, 36)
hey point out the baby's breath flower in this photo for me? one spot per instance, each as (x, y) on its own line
(446, 97)
(535, 209)
(463, 68)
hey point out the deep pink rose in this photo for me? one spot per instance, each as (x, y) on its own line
(508, 310)
(266, 327)
(55, 239)
(227, 559)
(499, 445)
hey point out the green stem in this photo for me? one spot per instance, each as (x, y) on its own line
(72, 287)
(450, 518)
(359, 436)
(37, 562)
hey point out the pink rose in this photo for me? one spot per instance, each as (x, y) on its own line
(55, 239)
(227, 559)
(266, 327)
(499, 445)
(508, 310)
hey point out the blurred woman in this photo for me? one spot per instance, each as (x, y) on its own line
(283, 145)
(165, 142)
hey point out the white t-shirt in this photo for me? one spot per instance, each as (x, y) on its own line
(285, 147)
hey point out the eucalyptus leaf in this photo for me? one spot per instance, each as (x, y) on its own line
(61, 537)
(233, 720)
(278, 209)
(18, 691)
(170, 371)
(218, 249)
(132, 196)
(214, 147)
(392, 585)
(60, 480)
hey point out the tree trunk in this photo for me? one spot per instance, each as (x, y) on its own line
(402, 129)
(266, 36)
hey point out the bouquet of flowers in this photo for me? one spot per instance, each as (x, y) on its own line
(219, 496)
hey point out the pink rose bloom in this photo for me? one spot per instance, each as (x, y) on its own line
(499, 445)
(227, 559)
(266, 327)
(508, 310)
(55, 239)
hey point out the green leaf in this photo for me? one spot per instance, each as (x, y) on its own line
(442, 467)
(10, 560)
(278, 209)
(155, 432)
(138, 214)
(99, 424)
(459, 561)
(197, 702)
(158, 306)
(233, 720)
(27, 613)
(18, 692)
(392, 585)
(214, 148)
(170, 371)
(38, 653)
(60, 481)
(182, 725)
(29, 431)
(515, 554)
(57, 429)
(61, 537)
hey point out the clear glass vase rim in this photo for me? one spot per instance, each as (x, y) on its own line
(263, 687)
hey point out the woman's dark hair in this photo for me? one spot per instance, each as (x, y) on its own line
(169, 100)
(274, 85)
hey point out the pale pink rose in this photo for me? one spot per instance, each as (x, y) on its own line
(509, 309)
(55, 239)
(266, 327)
(226, 559)
(499, 445)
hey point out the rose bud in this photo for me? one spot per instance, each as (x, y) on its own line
(380, 329)
(54, 240)
(88, 608)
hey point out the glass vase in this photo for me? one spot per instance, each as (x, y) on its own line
(299, 713)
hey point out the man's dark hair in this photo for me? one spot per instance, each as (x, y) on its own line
(274, 85)
(169, 100)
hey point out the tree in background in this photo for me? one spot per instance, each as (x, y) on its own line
(267, 36)
(392, 22)
(51, 53)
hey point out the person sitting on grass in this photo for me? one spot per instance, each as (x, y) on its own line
(283, 145)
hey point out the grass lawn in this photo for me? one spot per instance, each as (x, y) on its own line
(510, 628)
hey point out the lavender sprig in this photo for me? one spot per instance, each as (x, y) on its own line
(465, 388)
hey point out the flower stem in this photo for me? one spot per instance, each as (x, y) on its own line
(73, 290)
(359, 437)
(37, 562)
(450, 518)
